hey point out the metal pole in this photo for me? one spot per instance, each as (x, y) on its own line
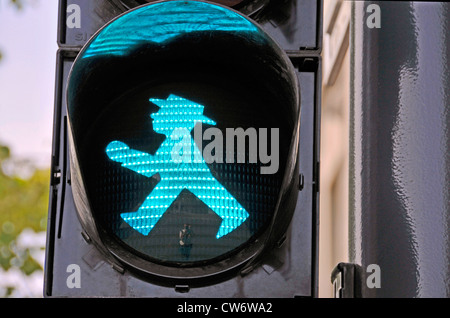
(399, 147)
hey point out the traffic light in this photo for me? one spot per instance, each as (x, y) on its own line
(185, 150)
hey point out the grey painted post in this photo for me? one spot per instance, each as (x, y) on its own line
(399, 147)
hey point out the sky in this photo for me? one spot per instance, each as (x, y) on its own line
(28, 44)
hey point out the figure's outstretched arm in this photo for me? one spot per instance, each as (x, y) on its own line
(134, 160)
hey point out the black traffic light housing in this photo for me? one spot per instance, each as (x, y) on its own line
(290, 267)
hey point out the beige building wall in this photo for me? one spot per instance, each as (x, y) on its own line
(333, 244)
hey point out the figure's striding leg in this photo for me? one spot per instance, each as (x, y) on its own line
(153, 208)
(218, 199)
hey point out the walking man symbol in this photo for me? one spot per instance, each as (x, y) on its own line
(176, 119)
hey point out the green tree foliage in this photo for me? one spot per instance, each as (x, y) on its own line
(17, 3)
(23, 205)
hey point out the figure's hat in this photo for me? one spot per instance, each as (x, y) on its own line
(177, 112)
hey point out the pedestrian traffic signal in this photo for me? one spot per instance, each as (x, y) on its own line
(182, 130)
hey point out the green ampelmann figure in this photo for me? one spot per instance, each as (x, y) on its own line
(176, 119)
